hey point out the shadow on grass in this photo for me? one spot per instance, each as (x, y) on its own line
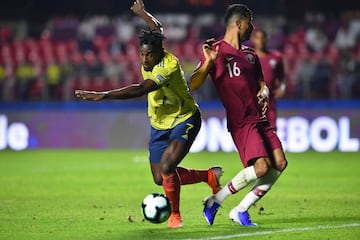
(189, 232)
(227, 229)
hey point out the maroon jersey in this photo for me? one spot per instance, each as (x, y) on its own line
(273, 70)
(236, 75)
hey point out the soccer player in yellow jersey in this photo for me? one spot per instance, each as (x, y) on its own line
(174, 116)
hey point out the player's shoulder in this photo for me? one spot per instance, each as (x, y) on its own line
(218, 43)
(170, 58)
(250, 53)
(169, 61)
(247, 49)
(226, 47)
(223, 46)
(168, 65)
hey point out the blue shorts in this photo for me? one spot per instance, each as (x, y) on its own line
(185, 132)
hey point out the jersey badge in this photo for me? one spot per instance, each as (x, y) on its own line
(161, 78)
(251, 58)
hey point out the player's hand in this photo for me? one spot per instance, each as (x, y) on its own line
(209, 52)
(89, 95)
(264, 106)
(263, 100)
(138, 7)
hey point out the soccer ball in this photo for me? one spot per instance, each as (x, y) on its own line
(156, 208)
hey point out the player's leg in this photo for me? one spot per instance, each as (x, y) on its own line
(164, 157)
(240, 181)
(157, 145)
(280, 159)
(187, 176)
(253, 153)
(262, 185)
(243, 178)
(210, 176)
(171, 181)
(239, 214)
(163, 167)
(180, 140)
(156, 173)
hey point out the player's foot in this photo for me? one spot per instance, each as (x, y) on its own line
(214, 175)
(241, 218)
(175, 221)
(210, 209)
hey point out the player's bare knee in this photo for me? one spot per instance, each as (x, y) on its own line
(168, 163)
(158, 180)
(167, 167)
(262, 166)
(281, 165)
(280, 160)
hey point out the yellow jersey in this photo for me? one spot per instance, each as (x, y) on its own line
(172, 103)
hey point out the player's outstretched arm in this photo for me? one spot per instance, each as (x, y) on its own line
(199, 75)
(131, 91)
(89, 95)
(139, 9)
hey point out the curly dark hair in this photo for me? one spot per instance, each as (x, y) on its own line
(153, 38)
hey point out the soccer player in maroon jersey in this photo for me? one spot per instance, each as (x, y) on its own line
(273, 70)
(237, 75)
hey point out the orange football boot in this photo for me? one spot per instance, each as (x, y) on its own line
(175, 221)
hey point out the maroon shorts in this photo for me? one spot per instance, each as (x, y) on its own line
(254, 140)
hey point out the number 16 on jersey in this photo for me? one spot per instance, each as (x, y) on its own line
(234, 70)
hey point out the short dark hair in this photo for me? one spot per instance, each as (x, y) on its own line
(237, 9)
(152, 37)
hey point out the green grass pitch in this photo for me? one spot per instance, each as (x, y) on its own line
(89, 194)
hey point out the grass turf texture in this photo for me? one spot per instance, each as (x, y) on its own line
(88, 194)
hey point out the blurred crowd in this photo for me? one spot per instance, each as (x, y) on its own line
(321, 54)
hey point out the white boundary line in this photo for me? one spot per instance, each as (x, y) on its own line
(277, 231)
